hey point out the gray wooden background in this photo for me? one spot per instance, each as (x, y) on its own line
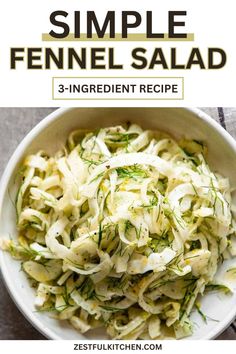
(15, 123)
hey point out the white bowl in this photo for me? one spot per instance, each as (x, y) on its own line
(50, 134)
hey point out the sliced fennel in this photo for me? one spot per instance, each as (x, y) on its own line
(123, 229)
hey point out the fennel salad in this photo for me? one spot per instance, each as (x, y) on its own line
(124, 229)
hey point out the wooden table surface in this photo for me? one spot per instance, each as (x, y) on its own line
(15, 123)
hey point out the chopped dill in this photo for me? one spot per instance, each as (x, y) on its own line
(110, 308)
(96, 177)
(100, 235)
(198, 308)
(134, 172)
(218, 287)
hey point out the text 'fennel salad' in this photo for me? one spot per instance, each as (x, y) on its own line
(123, 229)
